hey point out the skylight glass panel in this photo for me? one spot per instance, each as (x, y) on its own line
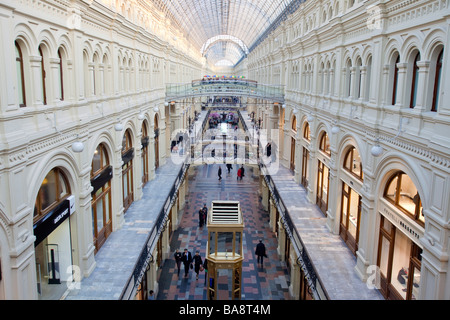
(202, 20)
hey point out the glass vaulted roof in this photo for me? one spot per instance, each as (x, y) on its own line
(224, 30)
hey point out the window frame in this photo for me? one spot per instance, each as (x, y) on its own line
(22, 74)
(414, 81)
(437, 81)
(40, 212)
(350, 153)
(396, 202)
(322, 143)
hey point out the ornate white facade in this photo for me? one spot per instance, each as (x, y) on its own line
(102, 66)
(338, 61)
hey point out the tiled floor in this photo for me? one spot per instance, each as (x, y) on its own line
(270, 282)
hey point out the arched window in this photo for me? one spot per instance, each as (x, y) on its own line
(437, 81)
(61, 76)
(307, 132)
(54, 189)
(358, 78)
(368, 78)
(401, 192)
(43, 76)
(294, 123)
(20, 76)
(395, 81)
(324, 145)
(352, 163)
(100, 160)
(414, 81)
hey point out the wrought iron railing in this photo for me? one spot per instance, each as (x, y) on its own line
(146, 257)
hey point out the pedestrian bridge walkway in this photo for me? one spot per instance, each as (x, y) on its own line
(224, 87)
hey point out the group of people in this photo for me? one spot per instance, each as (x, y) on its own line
(240, 172)
(195, 262)
(190, 262)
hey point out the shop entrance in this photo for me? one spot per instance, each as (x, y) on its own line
(53, 252)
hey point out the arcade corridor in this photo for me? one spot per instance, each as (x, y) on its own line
(267, 283)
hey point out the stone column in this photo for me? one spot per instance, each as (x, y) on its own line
(362, 85)
(424, 69)
(36, 76)
(402, 68)
(55, 91)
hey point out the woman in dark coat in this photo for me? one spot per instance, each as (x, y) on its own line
(201, 218)
(197, 263)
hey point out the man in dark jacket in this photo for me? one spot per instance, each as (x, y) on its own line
(260, 252)
(187, 260)
(177, 256)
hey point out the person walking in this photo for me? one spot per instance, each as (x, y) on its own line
(242, 171)
(197, 263)
(177, 255)
(229, 167)
(205, 213)
(187, 261)
(239, 173)
(201, 217)
(260, 252)
(219, 173)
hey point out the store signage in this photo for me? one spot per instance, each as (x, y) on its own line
(101, 179)
(52, 220)
(400, 221)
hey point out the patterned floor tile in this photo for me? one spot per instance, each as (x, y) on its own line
(270, 282)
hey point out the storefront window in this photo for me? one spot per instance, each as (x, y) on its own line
(101, 196)
(350, 216)
(400, 263)
(325, 144)
(307, 132)
(323, 181)
(54, 188)
(144, 153)
(127, 170)
(402, 192)
(352, 163)
(399, 260)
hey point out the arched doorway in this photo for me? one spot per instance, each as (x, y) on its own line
(401, 227)
(350, 215)
(51, 226)
(156, 126)
(101, 175)
(127, 170)
(144, 153)
(293, 139)
(323, 175)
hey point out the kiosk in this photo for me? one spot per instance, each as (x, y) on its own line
(224, 250)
